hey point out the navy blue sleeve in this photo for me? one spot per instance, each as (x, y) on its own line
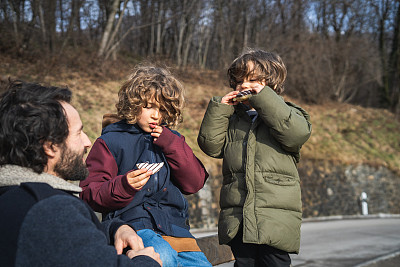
(110, 227)
(60, 230)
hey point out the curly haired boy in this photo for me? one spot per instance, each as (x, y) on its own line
(139, 168)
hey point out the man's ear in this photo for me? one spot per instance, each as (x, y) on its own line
(50, 149)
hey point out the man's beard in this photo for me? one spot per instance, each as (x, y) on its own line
(71, 166)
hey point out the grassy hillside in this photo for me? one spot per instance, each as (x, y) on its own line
(341, 132)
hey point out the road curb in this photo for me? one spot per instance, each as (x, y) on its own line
(318, 219)
(351, 217)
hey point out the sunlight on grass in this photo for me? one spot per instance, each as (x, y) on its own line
(352, 134)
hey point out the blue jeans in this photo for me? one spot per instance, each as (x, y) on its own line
(168, 255)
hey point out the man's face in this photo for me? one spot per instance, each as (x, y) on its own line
(71, 164)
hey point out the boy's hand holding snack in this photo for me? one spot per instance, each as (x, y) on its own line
(243, 92)
(138, 178)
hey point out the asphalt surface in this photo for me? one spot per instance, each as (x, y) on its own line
(354, 241)
(361, 242)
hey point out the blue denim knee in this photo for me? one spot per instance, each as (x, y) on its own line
(193, 258)
(168, 255)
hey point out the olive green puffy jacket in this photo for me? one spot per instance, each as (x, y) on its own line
(261, 185)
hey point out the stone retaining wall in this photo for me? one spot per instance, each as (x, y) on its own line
(327, 189)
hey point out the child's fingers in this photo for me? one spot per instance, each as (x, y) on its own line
(157, 129)
(138, 184)
(157, 132)
(135, 173)
(233, 93)
(227, 99)
(138, 178)
(155, 135)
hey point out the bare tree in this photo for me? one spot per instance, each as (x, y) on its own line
(388, 20)
(343, 50)
(16, 7)
(160, 17)
(108, 32)
(74, 26)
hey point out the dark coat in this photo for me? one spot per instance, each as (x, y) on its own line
(43, 224)
(158, 205)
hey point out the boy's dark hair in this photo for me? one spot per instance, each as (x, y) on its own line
(31, 114)
(267, 67)
(149, 82)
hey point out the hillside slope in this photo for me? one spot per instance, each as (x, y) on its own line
(341, 133)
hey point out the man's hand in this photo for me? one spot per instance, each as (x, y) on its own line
(138, 178)
(126, 236)
(149, 251)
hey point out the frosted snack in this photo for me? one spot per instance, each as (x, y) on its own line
(242, 96)
(155, 167)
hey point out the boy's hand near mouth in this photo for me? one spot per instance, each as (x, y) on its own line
(157, 130)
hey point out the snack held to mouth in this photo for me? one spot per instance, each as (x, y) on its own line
(155, 167)
(242, 96)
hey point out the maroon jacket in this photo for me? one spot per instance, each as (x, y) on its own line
(106, 189)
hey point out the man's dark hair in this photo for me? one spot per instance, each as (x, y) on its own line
(31, 114)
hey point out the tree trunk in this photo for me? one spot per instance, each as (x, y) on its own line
(15, 21)
(187, 45)
(107, 32)
(203, 56)
(246, 30)
(182, 28)
(42, 23)
(160, 15)
(74, 21)
(116, 29)
(394, 61)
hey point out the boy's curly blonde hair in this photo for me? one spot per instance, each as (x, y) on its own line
(148, 83)
(267, 67)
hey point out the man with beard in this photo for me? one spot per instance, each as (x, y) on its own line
(42, 223)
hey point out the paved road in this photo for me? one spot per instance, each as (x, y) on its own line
(368, 242)
(344, 243)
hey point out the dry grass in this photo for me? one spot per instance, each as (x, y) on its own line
(341, 133)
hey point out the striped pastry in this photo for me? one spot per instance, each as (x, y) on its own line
(155, 167)
(242, 96)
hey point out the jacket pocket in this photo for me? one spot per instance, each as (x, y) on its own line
(279, 179)
(278, 191)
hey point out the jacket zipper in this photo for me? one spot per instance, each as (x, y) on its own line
(153, 160)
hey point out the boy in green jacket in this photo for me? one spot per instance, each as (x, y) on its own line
(259, 139)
